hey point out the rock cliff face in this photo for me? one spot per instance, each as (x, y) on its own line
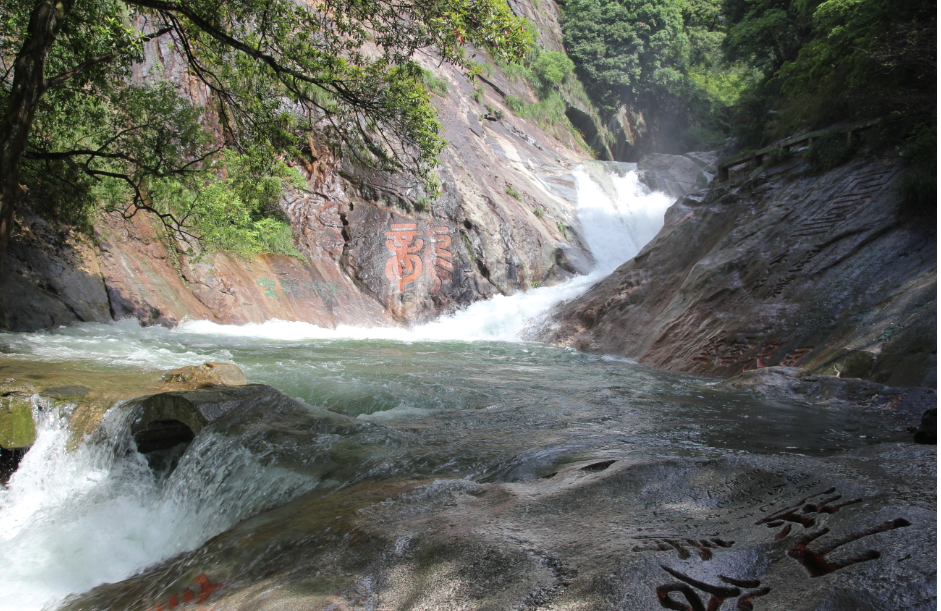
(375, 252)
(783, 268)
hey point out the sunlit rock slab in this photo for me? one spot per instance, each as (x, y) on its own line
(788, 533)
(788, 268)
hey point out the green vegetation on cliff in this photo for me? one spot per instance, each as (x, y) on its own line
(701, 70)
(259, 76)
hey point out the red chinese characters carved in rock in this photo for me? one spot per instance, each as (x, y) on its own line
(803, 514)
(412, 254)
(206, 587)
(443, 267)
(405, 265)
(718, 594)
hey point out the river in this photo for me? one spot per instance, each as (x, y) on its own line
(465, 398)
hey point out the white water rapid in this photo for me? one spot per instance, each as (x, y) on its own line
(72, 520)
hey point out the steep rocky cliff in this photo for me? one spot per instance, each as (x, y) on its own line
(374, 250)
(785, 267)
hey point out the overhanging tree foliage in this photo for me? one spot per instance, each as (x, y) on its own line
(75, 110)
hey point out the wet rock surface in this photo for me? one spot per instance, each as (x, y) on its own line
(785, 268)
(795, 383)
(165, 420)
(853, 531)
(927, 431)
(17, 429)
(207, 374)
(678, 175)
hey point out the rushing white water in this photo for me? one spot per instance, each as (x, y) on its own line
(618, 214)
(72, 520)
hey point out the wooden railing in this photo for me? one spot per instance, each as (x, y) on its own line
(756, 158)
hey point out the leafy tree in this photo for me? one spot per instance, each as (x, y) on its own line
(834, 60)
(551, 68)
(662, 58)
(275, 69)
(766, 33)
(871, 56)
(626, 49)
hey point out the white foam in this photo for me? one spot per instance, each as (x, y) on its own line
(615, 228)
(72, 520)
(400, 412)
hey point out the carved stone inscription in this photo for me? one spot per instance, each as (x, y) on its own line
(854, 195)
(690, 594)
(718, 594)
(748, 353)
(405, 264)
(291, 287)
(413, 255)
(851, 197)
(681, 545)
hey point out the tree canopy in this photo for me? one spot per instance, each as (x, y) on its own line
(758, 69)
(84, 121)
(660, 57)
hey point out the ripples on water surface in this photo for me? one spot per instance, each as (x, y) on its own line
(475, 398)
(461, 397)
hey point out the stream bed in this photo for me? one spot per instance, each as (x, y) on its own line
(456, 466)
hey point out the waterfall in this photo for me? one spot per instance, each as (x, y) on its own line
(73, 520)
(619, 215)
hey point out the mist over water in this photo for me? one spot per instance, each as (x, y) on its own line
(464, 396)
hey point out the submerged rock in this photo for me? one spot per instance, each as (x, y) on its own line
(207, 374)
(167, 419)
(794, 382)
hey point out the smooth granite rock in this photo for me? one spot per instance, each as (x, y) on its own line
(773, 533)
(207, 374)
(785, 268)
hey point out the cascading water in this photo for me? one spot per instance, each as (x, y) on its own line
(71, 520)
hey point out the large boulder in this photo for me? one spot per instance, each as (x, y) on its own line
(787, 268)
(164, 420)
(206, 375)
(677, 175)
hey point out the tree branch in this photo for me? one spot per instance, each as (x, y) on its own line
(98, 59)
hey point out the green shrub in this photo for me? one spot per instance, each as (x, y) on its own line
(538, 212)
(515, 104)
(829, 151)
(517, 73)
(484, 68)
(512, 192)
(432, 83)
(551, 68)
(237, 212)
(478, 94)
(917, 192)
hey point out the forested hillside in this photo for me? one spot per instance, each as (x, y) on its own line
(702, 70)
(200, 116)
